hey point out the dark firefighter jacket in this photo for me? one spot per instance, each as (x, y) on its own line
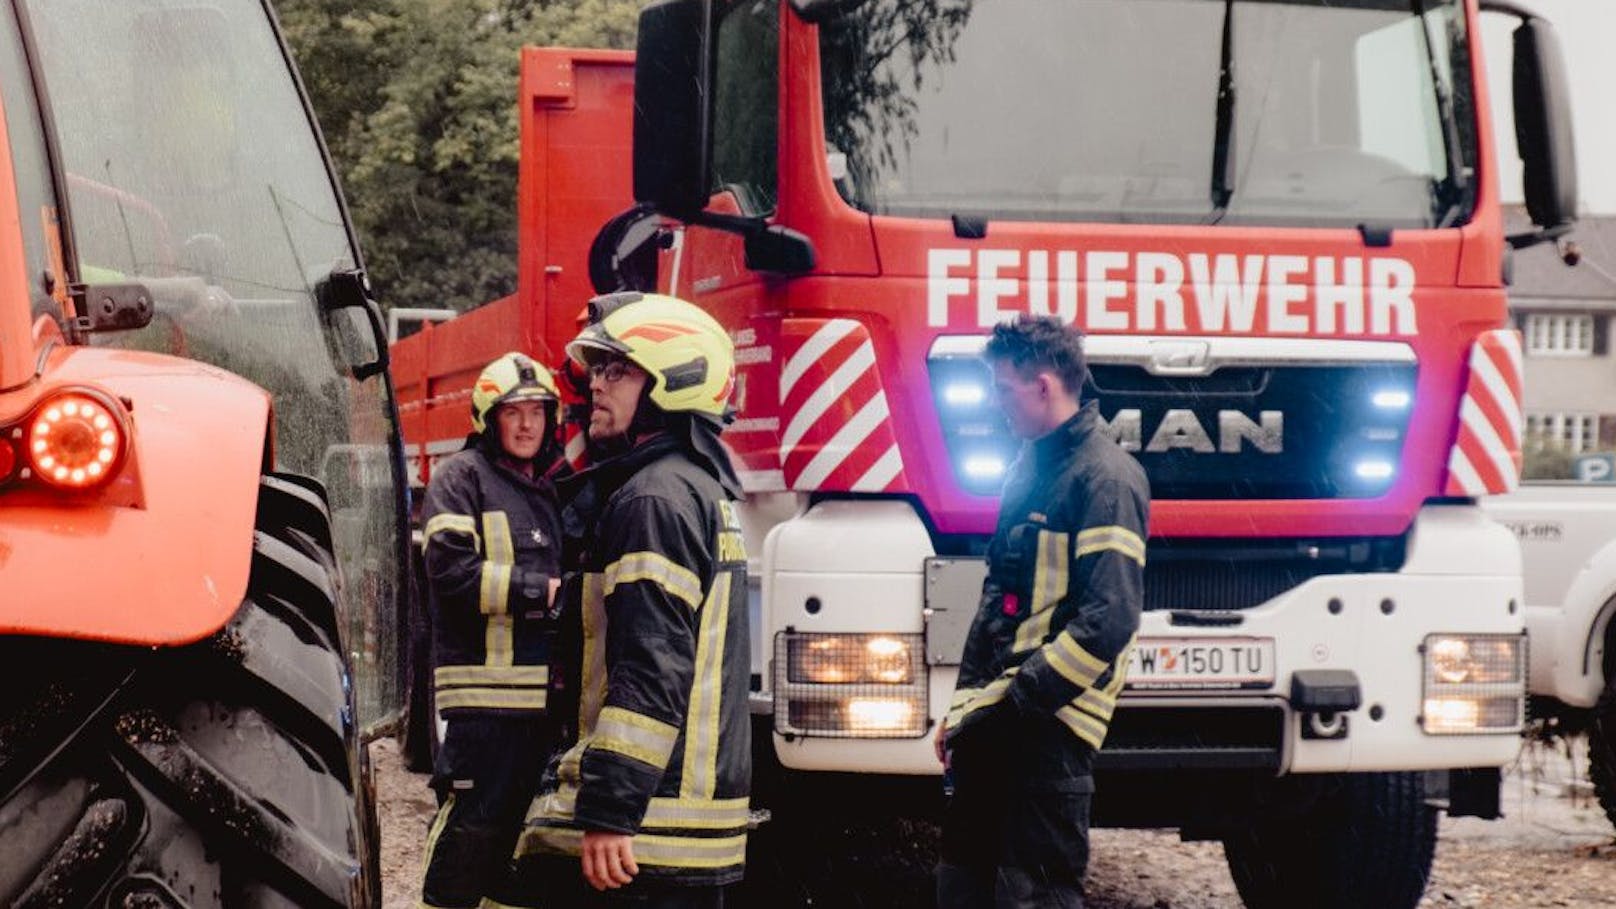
(1061, 602)
(664, 739)
(492, 541)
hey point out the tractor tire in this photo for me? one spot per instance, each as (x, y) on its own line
(226, 773)
(1368, 842)
(1602, 751)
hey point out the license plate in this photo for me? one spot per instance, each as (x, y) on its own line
(1167, 663)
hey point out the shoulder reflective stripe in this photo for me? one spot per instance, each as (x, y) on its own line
(1068, 658)
(1048, 588)
(649, 849)
(701, 726)
(499, 641)
(593, 672)
(634, 735)
(511, 676)
(650, 566)
(491, 698)
(1113, 537)
(496, 586)
(963, 696)
(1086, 727)
(451, 523)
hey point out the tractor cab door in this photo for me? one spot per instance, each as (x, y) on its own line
(185, 157)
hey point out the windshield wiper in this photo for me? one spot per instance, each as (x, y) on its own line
(1452, 190)
(1223, 130)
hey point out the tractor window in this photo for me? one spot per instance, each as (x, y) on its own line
(36, 202)
(192, 165)
(746, 101)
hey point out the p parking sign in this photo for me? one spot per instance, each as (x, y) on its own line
(1596, 468)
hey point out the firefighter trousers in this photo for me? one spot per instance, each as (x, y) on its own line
(487, 772)
(1016, 829)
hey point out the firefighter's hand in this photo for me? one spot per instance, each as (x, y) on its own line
(608, 859)
(939, 744)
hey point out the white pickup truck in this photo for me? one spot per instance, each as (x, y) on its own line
(1567, 531)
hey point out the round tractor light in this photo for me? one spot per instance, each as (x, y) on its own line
(75, 440)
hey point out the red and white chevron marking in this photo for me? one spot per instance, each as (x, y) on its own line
(837, 431)
(1486, 457)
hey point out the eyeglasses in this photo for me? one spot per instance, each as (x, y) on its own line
(610, 371)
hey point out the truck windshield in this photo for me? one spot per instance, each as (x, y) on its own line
(1321, 113)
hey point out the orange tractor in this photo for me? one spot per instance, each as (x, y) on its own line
(194, 631)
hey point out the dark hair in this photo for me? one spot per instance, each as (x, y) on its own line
(1033, 344)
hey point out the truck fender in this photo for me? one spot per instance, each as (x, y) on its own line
(166, 564)
(1579, 673)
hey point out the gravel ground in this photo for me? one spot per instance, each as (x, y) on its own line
(1554, 848)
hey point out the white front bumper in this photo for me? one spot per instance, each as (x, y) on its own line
(1462, 575)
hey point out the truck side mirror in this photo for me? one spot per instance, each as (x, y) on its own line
(673, 102)
(1543, 125)
(353, 322)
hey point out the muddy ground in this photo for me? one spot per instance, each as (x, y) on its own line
(1554, 848)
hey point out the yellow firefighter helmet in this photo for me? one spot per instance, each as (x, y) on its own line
(688, 355)
(512, 377)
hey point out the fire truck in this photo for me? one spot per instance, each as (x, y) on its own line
(192, 628)
(1278, 224)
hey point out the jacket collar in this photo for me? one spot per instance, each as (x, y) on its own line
(1059, 443)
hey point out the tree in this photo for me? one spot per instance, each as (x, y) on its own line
(417, 99)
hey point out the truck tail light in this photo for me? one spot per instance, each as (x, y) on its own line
(73, 439)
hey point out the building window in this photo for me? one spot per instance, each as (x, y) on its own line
(1559, 335)
(1572, 433)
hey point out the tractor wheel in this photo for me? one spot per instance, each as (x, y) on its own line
(1602, 751)
(1368, 842)
(224, 773)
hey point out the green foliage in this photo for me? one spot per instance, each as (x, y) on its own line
(417, 99)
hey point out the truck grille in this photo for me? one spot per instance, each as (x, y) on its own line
(1219, 575)
(1261, 432)
(1167, 738)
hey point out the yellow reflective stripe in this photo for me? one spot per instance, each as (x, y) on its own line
(1068, 658)
(491, 698)
(501, 556)
(700, 777)
(1049, 584)
(986, 696)
(649, 848)
(514, 676)
(499, 641)
(1119, 670)
(1096, 702)
(451, 523)
(677, 580)
(663, 813)
(963, 696)
(1086, 727)
(1112, 537)
(634, 735)
(438, 823)
(593, 694)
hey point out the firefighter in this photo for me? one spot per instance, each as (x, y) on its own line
(492, 541)
(648, 805)
(1049, 647)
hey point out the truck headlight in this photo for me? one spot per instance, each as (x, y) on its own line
(850, 685)
(1474, 683)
